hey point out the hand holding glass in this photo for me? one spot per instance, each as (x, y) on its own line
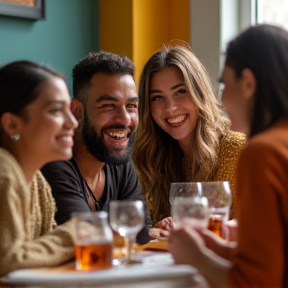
(127, 218)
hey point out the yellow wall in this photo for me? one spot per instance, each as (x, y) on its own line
(138, 28)
(116, 26)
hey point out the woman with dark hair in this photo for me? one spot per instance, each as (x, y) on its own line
(36, 127)
(183, 133)
(256, 97)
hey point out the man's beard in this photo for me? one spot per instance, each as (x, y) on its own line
(96, 144)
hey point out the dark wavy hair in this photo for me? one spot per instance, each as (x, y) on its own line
(264, 50)
(96, 63)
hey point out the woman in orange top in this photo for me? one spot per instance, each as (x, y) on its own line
(256, 97)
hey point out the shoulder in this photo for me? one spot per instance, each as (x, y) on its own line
(231, 146)
(9, 167)
(233, 141)
(58, 169)
(266, 145)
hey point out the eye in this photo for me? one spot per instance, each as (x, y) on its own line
(155, 98)
(107, 105)
(182, 91)
(132, 105)
(56, 110)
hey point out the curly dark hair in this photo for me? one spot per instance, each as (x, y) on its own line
(95, 63)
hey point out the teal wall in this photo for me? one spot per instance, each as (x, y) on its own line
(69, 31)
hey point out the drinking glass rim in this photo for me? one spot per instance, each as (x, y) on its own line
(125, 202)
(201, 182)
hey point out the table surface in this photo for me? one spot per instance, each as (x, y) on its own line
(156, 270)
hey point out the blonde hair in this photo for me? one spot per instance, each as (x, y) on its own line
(157, 156)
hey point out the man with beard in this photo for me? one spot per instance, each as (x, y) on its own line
(105, 104)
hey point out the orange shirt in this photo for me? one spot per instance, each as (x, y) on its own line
(260, 259)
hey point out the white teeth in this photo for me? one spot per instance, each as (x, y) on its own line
(117, 135)
(177, 120)
(66, 138)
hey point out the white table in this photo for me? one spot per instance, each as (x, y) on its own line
(157, 270)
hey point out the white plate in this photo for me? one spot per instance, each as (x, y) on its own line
(134, 273)
(159, 258)
(162, 238)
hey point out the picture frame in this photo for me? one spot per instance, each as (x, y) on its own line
(34, 9)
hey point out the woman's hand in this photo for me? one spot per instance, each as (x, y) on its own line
(161, 228)
(165, 224)
(188, 247)
(185, 246)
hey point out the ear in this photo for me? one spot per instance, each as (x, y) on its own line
(76, 109)
(249, 83)
(11, 123)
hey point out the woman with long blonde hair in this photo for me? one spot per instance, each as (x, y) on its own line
(183, 133)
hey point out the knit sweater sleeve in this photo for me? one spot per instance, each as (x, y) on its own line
(19, 247)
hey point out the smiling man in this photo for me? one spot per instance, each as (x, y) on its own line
(105, 104)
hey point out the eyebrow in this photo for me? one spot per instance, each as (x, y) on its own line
(172, 88)
(107, 97)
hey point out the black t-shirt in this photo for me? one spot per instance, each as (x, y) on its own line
(71, 193)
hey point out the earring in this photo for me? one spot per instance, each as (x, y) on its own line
(15, 137)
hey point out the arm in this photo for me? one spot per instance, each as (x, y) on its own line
(66, 189)
(261, 189)
(187, 247)
(21, 244)
(216, 244)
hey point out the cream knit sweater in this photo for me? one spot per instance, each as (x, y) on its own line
(27, 235)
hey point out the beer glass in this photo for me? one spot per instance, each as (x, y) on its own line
(94, 241)
(219, 200)
(127, 218)
(190, 211)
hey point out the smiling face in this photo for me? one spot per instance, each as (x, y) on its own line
(111, 117)
(171, 104)
(47, 128)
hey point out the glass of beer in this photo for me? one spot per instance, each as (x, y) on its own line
(219, 200)
(94, 241)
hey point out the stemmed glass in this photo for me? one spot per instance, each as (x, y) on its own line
(190, 211)
(219, 200)
(127, 218)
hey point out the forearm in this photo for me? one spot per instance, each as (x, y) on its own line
(218, 245)
(224, 249)
(49, 250)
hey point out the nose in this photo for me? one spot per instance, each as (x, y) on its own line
(170, 105)
(70, 120)
(123, 116)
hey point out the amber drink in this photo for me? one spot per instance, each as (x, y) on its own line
(94, 241)
(93, 256)
(216, 220)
